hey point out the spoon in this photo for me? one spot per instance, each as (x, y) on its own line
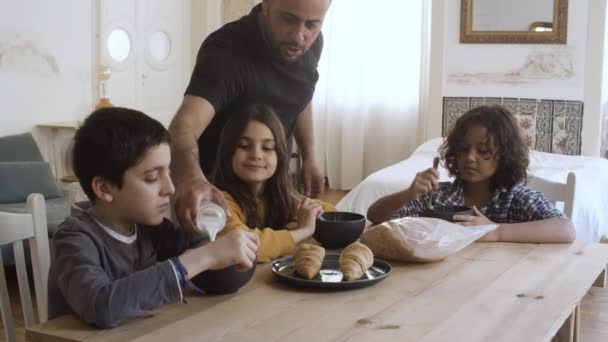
(300, 198)
(297, 196)
(435, 166)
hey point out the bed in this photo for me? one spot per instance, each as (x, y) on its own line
(590, 212)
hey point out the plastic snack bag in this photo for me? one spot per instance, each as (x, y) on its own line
(420, 239)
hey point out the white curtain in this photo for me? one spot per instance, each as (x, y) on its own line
(367, 98)
(604, 134)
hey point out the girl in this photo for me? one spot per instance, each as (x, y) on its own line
(488, 158)
(252, 168)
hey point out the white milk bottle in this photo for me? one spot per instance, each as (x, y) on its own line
(210, 219)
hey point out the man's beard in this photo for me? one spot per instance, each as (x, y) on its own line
(276, 47)
(297, 50)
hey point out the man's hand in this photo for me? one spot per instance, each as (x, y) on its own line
(189, 196)
(313, 182)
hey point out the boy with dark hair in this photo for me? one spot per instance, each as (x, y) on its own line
(121, 258)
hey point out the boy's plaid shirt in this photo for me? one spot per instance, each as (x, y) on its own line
(520, 204)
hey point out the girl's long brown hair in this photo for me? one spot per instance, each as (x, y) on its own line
(277, 189)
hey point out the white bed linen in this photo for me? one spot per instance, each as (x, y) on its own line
(590, 212)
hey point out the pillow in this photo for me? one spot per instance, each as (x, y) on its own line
(20, 147)
(19, 179)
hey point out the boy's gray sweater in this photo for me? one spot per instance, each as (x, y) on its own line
(105, 280)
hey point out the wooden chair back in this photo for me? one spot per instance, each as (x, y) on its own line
(14, 229)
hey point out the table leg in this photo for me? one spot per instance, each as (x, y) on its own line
(566, 332)
(53, 158)
(601, 279)
(577, 323)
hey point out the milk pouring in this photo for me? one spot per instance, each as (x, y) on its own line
(210, 219)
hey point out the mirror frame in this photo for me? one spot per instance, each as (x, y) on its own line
(557, 36)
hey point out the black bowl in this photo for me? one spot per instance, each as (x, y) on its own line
(338, 229)
(223, 281)
(446, 212)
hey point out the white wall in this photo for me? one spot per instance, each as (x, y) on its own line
(604, 105)
(594, 72)
(504, 58)
(46, 54)
(209, 15)
(141, 81)
(206, 17)
(49, 57)
(513, 70)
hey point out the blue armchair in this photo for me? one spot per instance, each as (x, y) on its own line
(24, 171)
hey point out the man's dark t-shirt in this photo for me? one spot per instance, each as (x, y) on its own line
(236, 67)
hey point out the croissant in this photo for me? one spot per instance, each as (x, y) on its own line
(355, 259)
(308, 259)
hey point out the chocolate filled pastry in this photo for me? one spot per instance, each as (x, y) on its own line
(308, 259)
(355, 260)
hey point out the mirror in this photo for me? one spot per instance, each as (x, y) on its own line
(514, 21)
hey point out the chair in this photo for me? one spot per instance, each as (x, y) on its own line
(23, 171)
(15, 228)
(557, 192)
(564, 192)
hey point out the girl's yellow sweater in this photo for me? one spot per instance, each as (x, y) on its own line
(273, 243)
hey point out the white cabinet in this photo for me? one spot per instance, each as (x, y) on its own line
(55, 142)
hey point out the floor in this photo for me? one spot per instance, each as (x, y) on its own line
(594, 307)
(594, 315)
(333, 196)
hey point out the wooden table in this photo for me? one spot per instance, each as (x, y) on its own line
(486, 292)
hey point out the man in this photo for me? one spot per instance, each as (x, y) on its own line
(270, 57)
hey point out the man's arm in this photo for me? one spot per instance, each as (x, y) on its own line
(192, 118)
(192, 187)
(311, 176)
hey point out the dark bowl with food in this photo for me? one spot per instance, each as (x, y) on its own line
(223, 281)
(446, 212)
(338, 229)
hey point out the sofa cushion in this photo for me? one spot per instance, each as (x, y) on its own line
(20, 147)
(19, 179)
(57, 209)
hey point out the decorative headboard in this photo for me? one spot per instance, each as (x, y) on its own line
(548, 125)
